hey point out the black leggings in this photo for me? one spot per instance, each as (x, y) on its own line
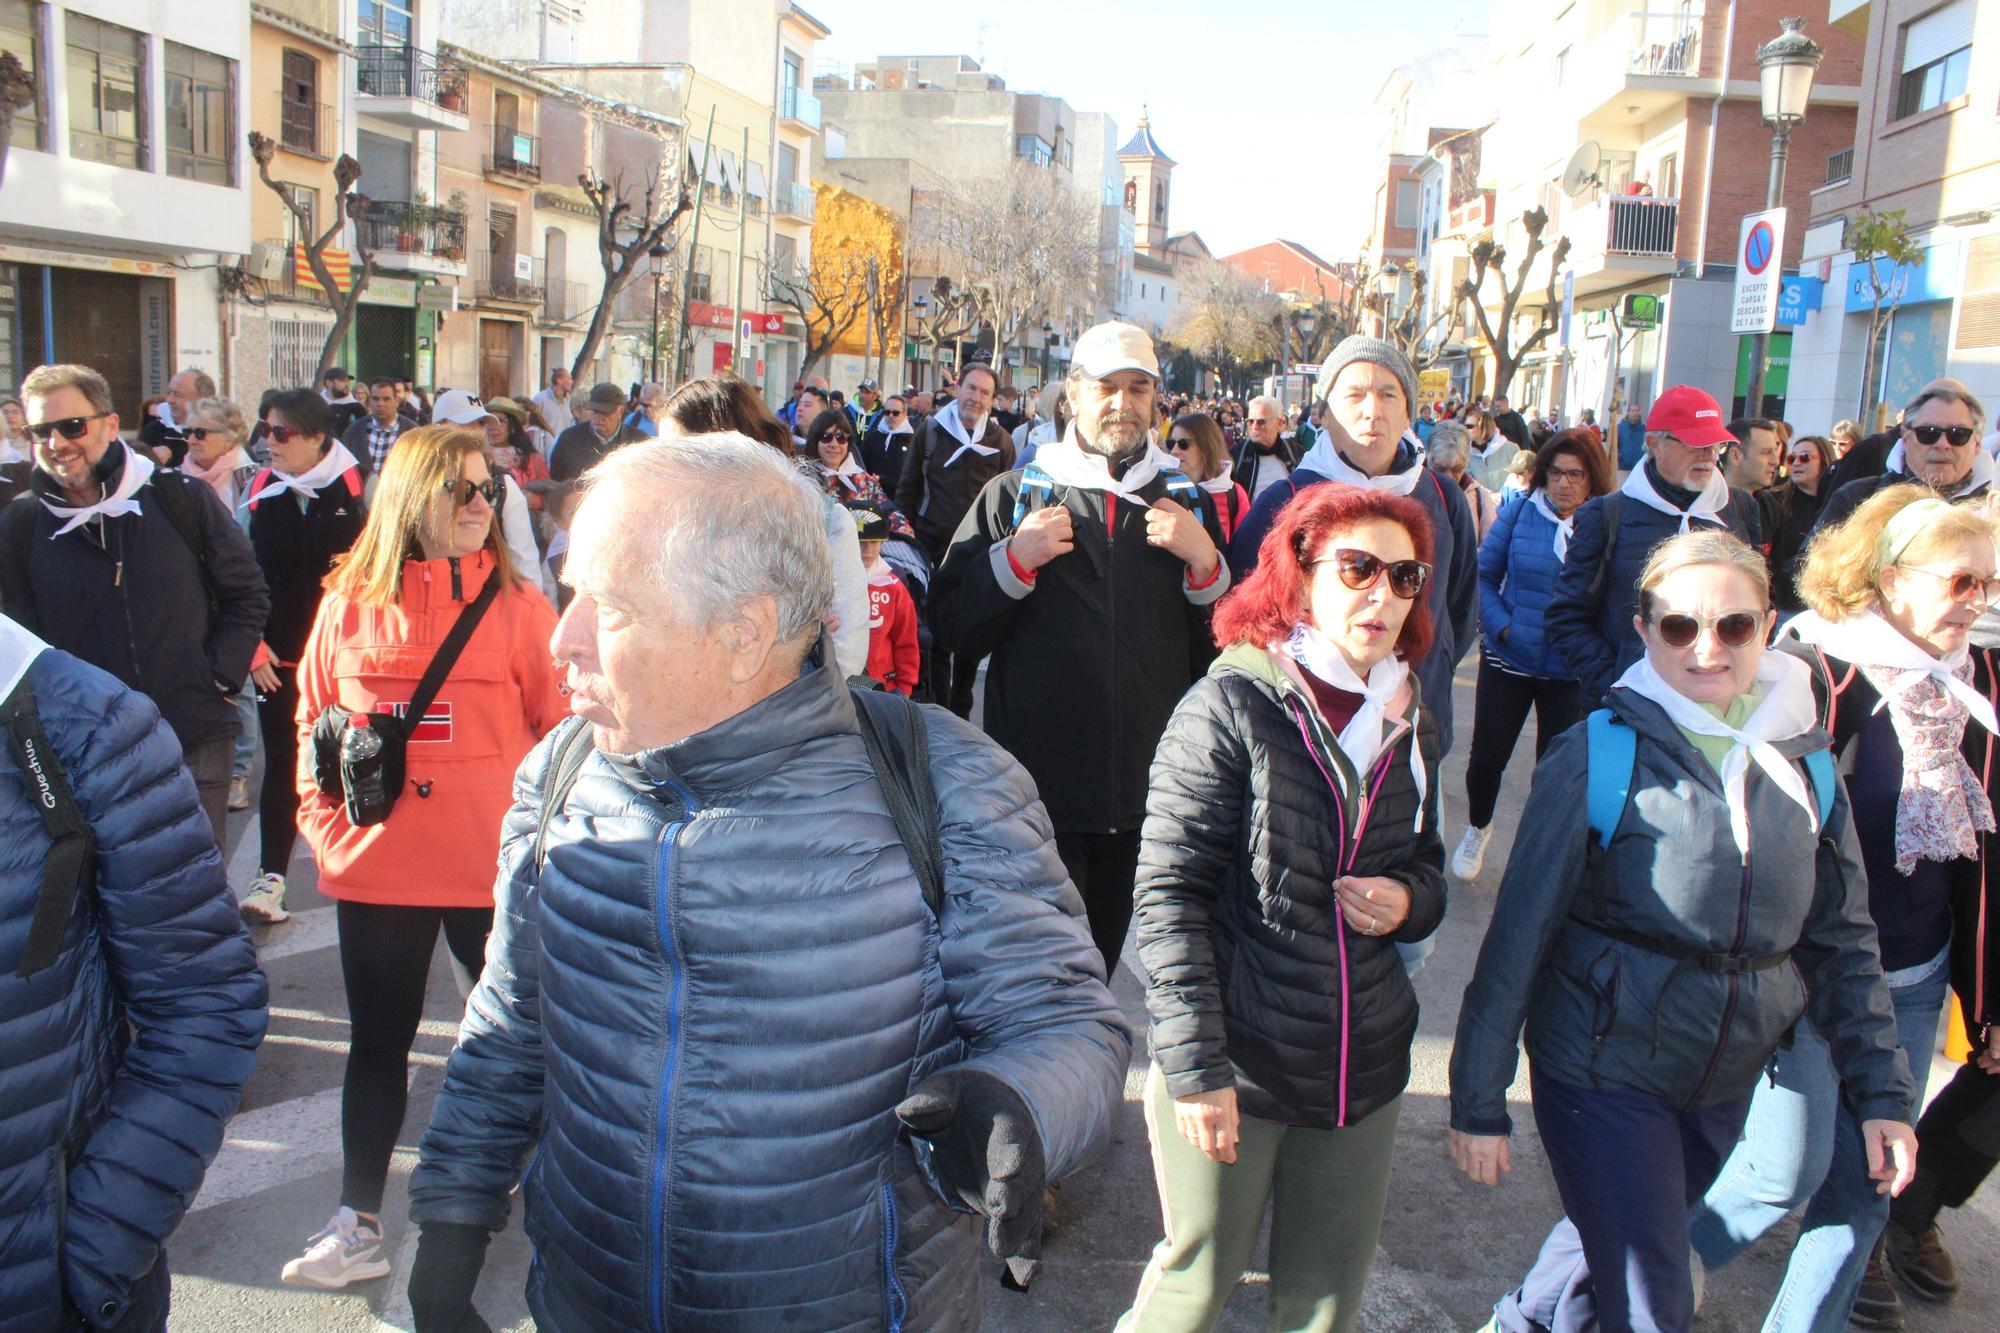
(1103, 866)
(278, 800)
(950, 678)
(1499, 711)
(385, 963)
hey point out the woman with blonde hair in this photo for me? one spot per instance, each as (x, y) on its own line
(1893, 592)
(430, 558)
(1659, 951)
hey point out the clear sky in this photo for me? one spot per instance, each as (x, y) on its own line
(1264, 104)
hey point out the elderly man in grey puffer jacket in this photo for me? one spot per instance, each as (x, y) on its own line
(761, 1081)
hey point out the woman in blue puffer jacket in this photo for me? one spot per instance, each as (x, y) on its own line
(1519, 668)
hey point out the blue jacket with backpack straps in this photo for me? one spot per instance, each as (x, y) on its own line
(699, 1016)
(1518, 570)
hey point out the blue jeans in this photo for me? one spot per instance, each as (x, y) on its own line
(246, 731)
(1800, 1144)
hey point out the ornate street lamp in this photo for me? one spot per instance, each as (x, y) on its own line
(1785, 68)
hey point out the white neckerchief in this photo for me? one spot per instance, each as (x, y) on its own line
(1361, 739)
(10, 454)
(1565, 527)
(1868, 640)
(1326, 460)
(323, 473)
(1221, 482)
(138, 471)
(18, 651)
(899, 428)
(1984, 471)
(968, 440)
(848, 474)
(1714, 497)
(1786, 710)
(1492, 444)
(1068, 463)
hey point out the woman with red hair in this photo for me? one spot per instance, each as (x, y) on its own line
(1291, 842)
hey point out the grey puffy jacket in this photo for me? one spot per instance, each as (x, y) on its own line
(701, 1014)
(1603, 1012)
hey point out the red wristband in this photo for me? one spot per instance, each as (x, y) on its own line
(1020, 572)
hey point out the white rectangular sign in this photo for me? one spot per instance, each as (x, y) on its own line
(1758, 247)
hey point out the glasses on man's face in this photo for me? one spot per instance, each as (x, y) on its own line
(1575, 476)
(1733, 630)
(1360, 570)
(1960, 436)
(70, 428)
(1962, 585)
(462, 489)
(892, 412)
(1263, 421)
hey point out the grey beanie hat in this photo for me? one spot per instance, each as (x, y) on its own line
(1360, 347)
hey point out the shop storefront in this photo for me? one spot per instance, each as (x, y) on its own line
(116, 315)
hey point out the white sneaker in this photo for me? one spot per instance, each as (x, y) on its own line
(1471, 853)
(348, 1250)
(264, 905)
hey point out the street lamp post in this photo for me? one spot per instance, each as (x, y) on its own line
(656, 254)
(1307, 322)
(922, 305)
(1785, 68)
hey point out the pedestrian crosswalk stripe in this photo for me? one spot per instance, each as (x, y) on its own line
(275, 1145)
(306, 931)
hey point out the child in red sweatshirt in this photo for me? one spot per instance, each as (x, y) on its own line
(892, 615)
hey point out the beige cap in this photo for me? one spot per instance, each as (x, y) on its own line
(1109, 348)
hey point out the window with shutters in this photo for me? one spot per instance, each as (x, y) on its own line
(1937, 57)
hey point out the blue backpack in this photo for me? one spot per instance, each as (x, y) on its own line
(1612, 757)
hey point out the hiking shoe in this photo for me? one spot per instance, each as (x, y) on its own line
(1471, 853)
(239, 793)
(1877, 1305)
(264, 905)
(1922, 1261)
(349, 1250)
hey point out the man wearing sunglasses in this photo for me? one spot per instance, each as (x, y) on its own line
(1937, 444)
(162, 434)
(136, 569)
(1268, 453)
(887, 442)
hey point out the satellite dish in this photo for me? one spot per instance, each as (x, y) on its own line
(1581, 173)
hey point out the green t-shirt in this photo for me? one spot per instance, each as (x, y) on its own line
(1715, 748)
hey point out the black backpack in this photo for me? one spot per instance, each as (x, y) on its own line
(181, 506)
(71, 867)
(898, 744)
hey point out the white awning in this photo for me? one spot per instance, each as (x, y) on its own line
(732, 181)
(756, 187)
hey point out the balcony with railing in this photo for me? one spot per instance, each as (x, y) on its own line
(1840, 166)
(414, 238)
(515, 154)
(799, 107)
(1620, 237)
(1665, 43)
(563, 301)
(309, 129)
(410, 88)
(511, 278)
(1640, 64)
(793, 201)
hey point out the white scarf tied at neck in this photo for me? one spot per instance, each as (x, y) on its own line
(1361, 739)
(1714, 497)
(1068, 463)
(322, 474)
(137, 472)
(1984, 471)
(1221, 482)
(1785, 710)
(968, 437)
(1565, 526)
(1326, 460)
(848, 474)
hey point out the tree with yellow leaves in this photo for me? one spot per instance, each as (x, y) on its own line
(856, 262)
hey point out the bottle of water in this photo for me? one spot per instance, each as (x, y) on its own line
(361, 773)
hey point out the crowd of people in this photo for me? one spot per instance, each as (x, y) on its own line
(657, 654)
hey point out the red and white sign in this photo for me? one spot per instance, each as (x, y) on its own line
(436, 725)
(1758, 272)
(755, 324)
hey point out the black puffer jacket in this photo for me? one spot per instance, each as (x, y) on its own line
(296, 545)
(1252, 979)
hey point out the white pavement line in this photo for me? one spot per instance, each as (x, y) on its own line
(306, 931)
(339, 1047)
(275, 1145)
(396, 1316)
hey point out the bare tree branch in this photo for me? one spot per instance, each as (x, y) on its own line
(1498, 334)
(625, 239)
(348, 206)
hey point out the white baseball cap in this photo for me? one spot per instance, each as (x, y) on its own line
(1109, 348)
(456, 407)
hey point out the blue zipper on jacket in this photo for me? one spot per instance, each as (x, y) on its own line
(898, 1303)
(656, 1257)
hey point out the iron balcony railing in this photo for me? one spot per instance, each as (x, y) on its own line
(1665, 43)
(1640, 225)
(308, 128)
(563, 301)
(414, 229)
(1840, 166)
(509, 277)
(515, 154)
(405, 71)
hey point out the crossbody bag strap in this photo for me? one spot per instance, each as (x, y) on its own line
(447, 654)
(71, 866)
(899, 751)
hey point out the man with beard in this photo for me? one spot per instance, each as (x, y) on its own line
(1087, 578)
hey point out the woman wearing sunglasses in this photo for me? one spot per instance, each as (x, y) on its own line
(1198, 445)
(1894, 591)
(1789, 512)
(217, 436)
(429, 547)
(1659, 965)
(1290, 843)
(832, 462)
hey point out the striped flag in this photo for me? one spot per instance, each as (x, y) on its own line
(336, 261)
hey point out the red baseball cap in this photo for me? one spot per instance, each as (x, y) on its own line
(1690, 416)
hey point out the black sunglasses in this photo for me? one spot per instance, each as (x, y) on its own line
(840, 435)
(70, 428)
(1960, 436)
(1359, 570)
(1735, 630)
(199, 433)
(461, 490)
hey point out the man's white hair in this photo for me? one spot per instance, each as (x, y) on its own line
(727, 520)
(1267, 400)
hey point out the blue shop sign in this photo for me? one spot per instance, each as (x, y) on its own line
(1932, 280)
(1798, 296)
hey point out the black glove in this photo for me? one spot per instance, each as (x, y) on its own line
(987, 1151)
(449, 1257)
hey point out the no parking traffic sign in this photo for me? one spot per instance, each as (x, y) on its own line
(1758, 272)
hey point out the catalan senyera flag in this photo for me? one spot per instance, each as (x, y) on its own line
(336, 261)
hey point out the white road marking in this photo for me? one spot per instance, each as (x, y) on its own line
(275, 1145)
(306, 931)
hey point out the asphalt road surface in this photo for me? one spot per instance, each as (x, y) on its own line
(1448, 1247)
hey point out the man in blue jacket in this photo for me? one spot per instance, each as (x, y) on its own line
(762, 1080)
(131, 1006)
(1631, 437)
